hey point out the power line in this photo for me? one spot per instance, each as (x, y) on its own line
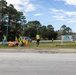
(53, 5)
(72, 3)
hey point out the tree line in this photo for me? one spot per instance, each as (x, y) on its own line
(13, 23)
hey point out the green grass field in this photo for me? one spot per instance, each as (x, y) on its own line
(54, 45)
(47, 45)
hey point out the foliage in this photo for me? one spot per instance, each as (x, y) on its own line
(65, 30)
(10, 16)
(18, 26)
(34, 27)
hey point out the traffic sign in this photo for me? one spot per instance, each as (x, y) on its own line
(7, 25)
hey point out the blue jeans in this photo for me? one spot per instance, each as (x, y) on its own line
(4, 42)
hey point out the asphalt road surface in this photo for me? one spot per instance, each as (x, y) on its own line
(37, 64)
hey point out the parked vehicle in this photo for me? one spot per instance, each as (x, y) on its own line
(27, 38)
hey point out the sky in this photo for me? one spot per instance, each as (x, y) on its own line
(48, 12)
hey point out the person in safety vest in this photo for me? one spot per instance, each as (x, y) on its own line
(37, 39)
(4, 39)
(21, 41)
(16, 41)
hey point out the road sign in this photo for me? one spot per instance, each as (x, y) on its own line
(7, 25)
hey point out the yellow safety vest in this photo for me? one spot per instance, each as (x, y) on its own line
(4, 38)
(37, 37)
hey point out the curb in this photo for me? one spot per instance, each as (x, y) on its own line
(39, 50)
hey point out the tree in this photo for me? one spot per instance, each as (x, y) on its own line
(3, 5)
(50, 27)
(65, 30)
(36, 24)
(15, 18)
(68, 30)
(49, 30)
(31, 28)
(43, 31)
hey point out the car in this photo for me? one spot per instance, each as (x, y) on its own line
(27, 38)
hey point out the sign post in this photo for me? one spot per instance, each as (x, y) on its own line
(7, 29)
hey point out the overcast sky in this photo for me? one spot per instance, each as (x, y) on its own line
(54, 12)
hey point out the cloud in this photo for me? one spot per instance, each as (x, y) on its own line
(14, 2)
(63, 15)
(24, 5)
(70, 2)
(63, 12)
(29, 7)
(59, 17)
(56, 10)
(37, 14)
(70, 13)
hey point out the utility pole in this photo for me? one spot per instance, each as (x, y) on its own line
(1, 21)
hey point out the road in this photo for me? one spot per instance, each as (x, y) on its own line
(37, 64)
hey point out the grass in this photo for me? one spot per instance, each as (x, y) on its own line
(54, 45)
(46, 45)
